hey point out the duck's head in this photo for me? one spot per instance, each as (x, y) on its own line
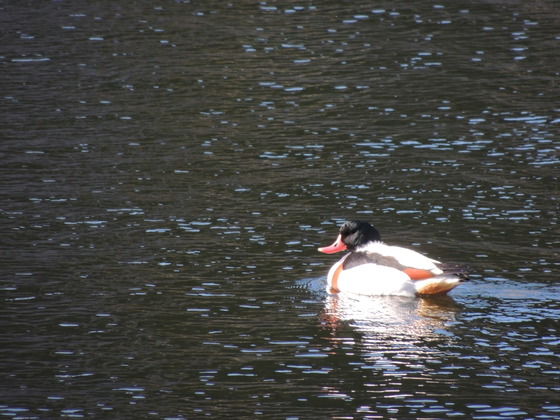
(352, 235)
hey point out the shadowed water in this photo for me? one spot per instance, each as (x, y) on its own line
(169, 170)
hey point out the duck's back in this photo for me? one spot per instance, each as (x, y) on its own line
(403, 256)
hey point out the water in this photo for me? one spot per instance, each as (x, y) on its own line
(168, 171)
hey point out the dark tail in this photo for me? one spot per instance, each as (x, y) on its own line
(460, 271)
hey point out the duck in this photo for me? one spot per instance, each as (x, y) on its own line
(371, 267)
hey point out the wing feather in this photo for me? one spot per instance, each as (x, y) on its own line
(400, 258)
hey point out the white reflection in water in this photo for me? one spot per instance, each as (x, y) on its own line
(390, 323)
(397, 338)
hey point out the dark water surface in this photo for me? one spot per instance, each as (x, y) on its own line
(169, 168)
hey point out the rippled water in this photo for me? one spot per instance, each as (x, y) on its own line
(168, 171)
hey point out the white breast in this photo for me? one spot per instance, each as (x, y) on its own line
(373, 279)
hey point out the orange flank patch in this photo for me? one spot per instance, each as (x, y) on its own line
(417, 273)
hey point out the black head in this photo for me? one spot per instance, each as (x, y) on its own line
(355, 233)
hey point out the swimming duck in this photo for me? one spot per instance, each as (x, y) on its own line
(375, 268)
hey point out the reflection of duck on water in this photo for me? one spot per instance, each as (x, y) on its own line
(389, 339)
(375, 268)
(390, 313)
(388, 324)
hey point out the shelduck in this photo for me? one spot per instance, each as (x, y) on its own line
(374, 268)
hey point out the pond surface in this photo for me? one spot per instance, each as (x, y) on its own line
(169, 170)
